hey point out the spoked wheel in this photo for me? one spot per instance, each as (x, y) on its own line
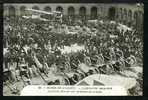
(100, 59)
(110, 69)
(81, 74)
(102, 69)
(97, 70)
(87, 61)
(121, 65)
(78, 76)
(132, 60)
(67, 82)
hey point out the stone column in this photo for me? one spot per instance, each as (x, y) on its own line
(17, 11)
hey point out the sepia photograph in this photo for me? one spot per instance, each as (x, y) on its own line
(73, 44)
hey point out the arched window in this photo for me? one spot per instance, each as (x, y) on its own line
(130, 15)
(94, 12)
(60, 9)
(35, 7)
(125, 14)
(22, 10)
(82, 11)
(141, 15)
(47, 8)
(71, 11)
(136, 18)
(135, 15)
(111, 13)
(121, 13)
(140, 21)
(11, 11)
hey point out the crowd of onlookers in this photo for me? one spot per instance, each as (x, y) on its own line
(34, 47)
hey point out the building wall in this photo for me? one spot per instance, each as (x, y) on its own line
(102, 10)
(53, 7)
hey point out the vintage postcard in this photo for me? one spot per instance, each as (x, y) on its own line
(73, 49)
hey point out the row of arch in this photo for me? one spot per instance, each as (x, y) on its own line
(71, 10)
(127, 17)
(121, 14)
(124, 14)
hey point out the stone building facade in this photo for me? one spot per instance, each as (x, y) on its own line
(128, 14)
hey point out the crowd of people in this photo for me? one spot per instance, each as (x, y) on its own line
(32, 48)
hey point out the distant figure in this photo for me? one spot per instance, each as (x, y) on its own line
(12, 68)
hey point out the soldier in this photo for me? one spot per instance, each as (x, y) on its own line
(23, 66)
(12, 68)
(35, 70)
(53, 68)
(131, 60)
(119, 54)
(99, 59)
(67, 66)
(87, 60)
(112, 54)
(45, 67)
